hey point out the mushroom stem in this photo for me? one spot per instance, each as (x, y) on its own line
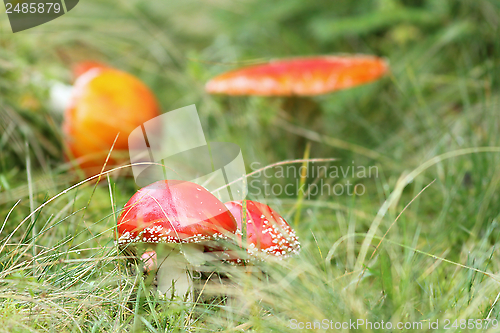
(174, 276)
(305, 112)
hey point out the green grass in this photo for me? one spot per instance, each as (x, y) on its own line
(397, 253)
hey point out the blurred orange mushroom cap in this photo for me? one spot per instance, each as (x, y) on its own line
(105, 102)
(306, 76)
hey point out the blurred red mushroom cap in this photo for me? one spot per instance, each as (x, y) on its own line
(173, 211)
(299, 76)
(266, 231)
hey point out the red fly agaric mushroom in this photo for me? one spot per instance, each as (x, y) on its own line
(296, 78)
(178, 217)
(267, 233)
(299, 76)
(106, 102)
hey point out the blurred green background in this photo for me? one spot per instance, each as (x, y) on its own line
(433, 118)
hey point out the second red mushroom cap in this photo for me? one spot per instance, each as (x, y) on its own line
(299, 76)
(266, 231)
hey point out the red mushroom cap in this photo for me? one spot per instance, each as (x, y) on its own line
(266, 230)
(299, 76)
(173, 211)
